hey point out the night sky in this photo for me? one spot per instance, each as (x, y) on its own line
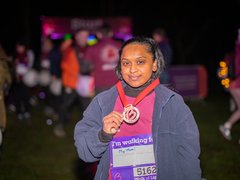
(200, 32)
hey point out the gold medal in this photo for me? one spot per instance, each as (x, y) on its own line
(131, 114)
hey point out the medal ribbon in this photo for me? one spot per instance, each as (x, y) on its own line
(141, 95)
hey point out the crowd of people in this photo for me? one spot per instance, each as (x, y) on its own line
(133, 125)
(121, 88)
(66, 72)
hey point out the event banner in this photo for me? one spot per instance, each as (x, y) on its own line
(57, 27)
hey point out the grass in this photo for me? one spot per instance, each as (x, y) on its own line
(220, 159)
(33, 152)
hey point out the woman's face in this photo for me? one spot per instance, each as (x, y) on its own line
(20, 49)
(81, 38)
(137, 64)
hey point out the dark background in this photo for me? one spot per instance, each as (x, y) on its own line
(199, 32)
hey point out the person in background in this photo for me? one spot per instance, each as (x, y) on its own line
(5, 82)
(160, 37)
(234, 89)
(44, 74)
(55, 87)
(104, 57)
(23, 59)
(73, 55)
(139, 128)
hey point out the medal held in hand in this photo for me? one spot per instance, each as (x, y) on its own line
(131, 113)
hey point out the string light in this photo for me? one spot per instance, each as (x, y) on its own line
(223, 73)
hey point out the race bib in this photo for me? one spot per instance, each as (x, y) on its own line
(132, 158)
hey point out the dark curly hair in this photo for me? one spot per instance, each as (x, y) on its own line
(151, 47)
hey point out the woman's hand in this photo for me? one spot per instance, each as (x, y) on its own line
(112, 122)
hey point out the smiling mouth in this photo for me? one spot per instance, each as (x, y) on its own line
(134, 78)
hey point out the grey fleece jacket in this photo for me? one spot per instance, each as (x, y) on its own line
(175, 136)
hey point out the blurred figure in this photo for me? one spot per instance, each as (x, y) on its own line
(44, 75)
(234, 90)
(24, 80)
(50, 75)
(71, 67)
(104, 56)
(160, 37)
(55, 87)
(5, 82)
(66, 43)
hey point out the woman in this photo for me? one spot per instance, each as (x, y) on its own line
(139, 128)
